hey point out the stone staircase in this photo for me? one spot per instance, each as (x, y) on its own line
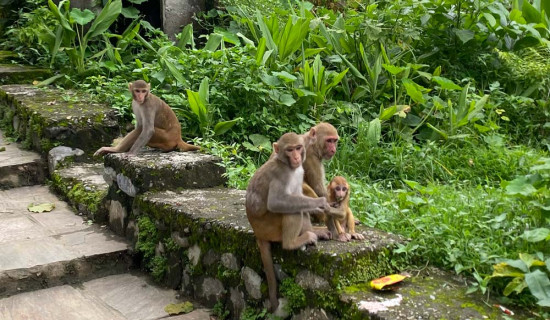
(169, 214)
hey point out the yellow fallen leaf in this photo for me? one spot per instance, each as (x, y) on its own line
(380, 283)
(41, 207)
(184, 307)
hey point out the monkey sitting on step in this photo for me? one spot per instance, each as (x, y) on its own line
(156, 125)
(338, 193)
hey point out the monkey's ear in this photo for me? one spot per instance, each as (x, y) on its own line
(312, 133)
(149, 86)
(276, 147)
(130, 86)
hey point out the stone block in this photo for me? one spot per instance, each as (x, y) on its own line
(74, 121)
(12, 73)
(155, 170)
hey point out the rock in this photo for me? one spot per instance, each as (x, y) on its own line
(194, 254)
(230, 261)
(180, 241)
(252, 282)
(117, 217)
(211, 257)
(236, 298)
(210, 290)
(125, 184)
(58, 154)
(309, 280)
(312, 314)
(109, 175)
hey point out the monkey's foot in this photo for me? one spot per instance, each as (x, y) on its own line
(323, 234)
(357, 236)
(184, 147)
(344, 237)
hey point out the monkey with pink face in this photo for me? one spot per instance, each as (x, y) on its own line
(156, 125)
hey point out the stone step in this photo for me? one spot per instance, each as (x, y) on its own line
(19, 167)
(156, 170)
(431, 294)
(124, 296)
(44, 118)
(39, 250)
(12, 73)
(83, 187)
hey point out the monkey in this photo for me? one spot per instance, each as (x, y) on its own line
(324, 148)
(156, 125)
(276, 208)
(338, 192)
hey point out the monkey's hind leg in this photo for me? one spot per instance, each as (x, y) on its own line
(294, 235)
(267, 261)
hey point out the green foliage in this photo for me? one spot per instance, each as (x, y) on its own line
(294, 293)
(253, 314)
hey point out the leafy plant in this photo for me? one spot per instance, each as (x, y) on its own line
(199, 104)
(70, 35)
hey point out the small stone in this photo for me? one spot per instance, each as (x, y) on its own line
(252, 282)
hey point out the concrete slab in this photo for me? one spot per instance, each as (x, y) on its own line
(125, 296)
(51, 247)
(12, 73)
(19, 167)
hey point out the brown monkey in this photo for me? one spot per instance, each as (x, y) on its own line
(324, 148)
(338, 193)
(156, 124)
(276, 208)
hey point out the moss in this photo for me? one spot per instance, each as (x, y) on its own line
(295, 294)
(78, 194)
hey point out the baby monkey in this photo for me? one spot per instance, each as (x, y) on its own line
(338, 192)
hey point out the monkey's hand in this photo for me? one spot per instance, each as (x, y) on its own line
(344, 237)
(104, 150)
(321, 206)
(335, 204)
(357, 236)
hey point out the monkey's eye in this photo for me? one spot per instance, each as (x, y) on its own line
(140, 91)
(337, 188)
(344, 189)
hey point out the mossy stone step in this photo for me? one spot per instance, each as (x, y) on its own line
(431, 294)
(44, 117)
(156, 170)
(12, 73)
(214, 219)
(84, 188)
(19, 167)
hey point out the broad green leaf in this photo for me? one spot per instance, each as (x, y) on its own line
(547, 263)
(464, 35)
(43, 207)
(50, 80)
(443, 134)
(393, 69)
(526, 42)
(250, 147)
(287, 77)
(104, 19)
(228, 37)
(516, 285)
(413, 90)
(520, 186)
(530, 13)
(545, 6)
(82, 17)
(538, 284)
(446, 84)
(259, 140)
(287, 99)
(204, 91)
(197, 106)
(213, 42)
(536, 235)
(387, 113)
(223, 126)
(130, 13)
(374, 132)
(503, 269)
(490, 19)
(57, 13)
(185, 37)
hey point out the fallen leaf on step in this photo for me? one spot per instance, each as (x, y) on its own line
(41, 207)
(2, 148)
(173, 309)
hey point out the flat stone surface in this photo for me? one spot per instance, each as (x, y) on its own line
(47, 117)
(13, 73)
(222, 210)
(155, 170)
(30, 239)
(432, 294)
(126, 296)
(19, 167)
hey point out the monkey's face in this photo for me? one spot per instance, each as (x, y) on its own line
(340, 192)
(294, 154)
(330, 145)
(140, 94)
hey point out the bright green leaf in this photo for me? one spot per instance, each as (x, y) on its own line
(538, 284)
(516, 285)
(413, 90)
(446, 84)
(393, 69)
(130, 13)
(224, 126)
(82, 17)
(464, 35)
(536, 235)
(520, 186)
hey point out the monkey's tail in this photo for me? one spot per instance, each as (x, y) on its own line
(182, 146)
(267, 260)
